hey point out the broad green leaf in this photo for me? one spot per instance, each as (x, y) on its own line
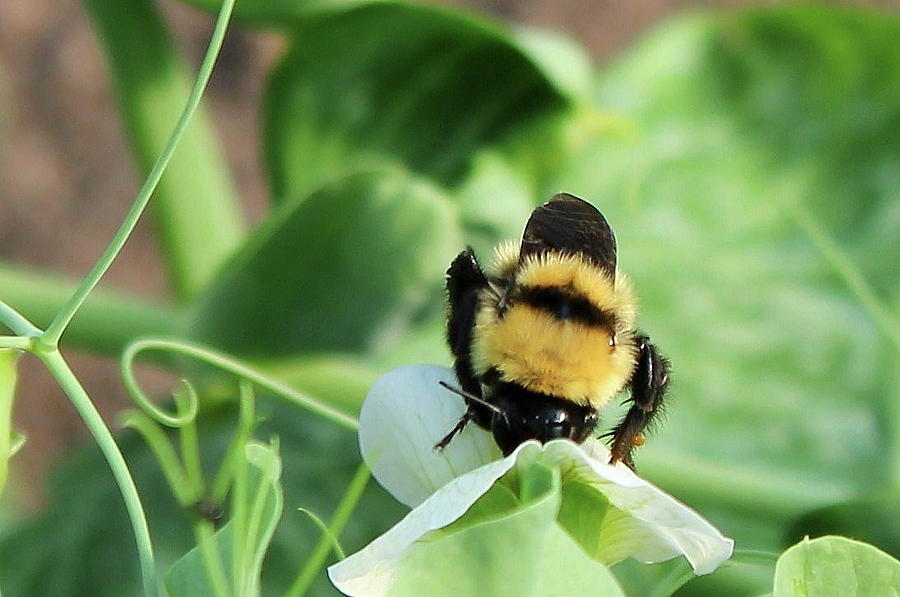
(755, 147)
(836, 567)
(396, 83)
(84, 547)
(345, 269)
(476, 560)
(8, 359)
(195, 206)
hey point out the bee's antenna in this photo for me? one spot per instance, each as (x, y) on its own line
(473, 398)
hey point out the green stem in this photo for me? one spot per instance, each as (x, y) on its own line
(235, 451)
(342, 514)
(165, 455)
(16, 322)
(105, 323)
(16, 342)
(196, 210)
(190, 455)
(58, 367)
(238, 369)
(239, 523)
(56, 328)
(204, 533)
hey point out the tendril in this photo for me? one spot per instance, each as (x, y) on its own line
(186, 406)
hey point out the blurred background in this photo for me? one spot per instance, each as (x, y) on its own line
(762, 306)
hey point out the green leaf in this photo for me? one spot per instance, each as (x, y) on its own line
(8, 359)
(581, 514)
(836, 567)
(344, 269)
(744, 136)
(396, 83)
(525, 553)
(195, 206)
(873, 520)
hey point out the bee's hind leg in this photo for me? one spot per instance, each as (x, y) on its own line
(648, 387)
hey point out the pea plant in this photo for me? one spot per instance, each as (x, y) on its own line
(749, 165)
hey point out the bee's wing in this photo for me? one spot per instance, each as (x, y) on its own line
(567, 224)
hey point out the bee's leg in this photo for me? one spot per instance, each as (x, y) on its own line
(648, 387)
(465, 280)
(460, 425)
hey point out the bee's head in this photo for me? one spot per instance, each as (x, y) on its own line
(524, 415)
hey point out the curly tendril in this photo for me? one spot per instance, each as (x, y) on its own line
(186, 405)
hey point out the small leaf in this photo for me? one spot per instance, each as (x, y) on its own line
(836, 567)
(8, 359)
(341, 270)
(188, 578)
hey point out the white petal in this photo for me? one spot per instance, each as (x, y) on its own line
(370, 571)
(404, 415)
(644, 522)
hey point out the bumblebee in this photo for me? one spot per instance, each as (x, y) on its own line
(544, 335)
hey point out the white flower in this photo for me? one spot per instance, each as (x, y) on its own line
(407, 412)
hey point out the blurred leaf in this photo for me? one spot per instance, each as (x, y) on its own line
(84, 547)
(734, 129)
(390, 82)
(835, 567)
(8, 359)
(341, 270)
(195, 206)
(547, 561)
(106, 322)
(875, 520)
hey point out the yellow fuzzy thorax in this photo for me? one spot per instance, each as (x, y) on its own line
(567, 359)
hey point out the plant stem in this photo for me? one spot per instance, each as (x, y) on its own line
(238, 369)
(51, 335)
(57, 366)
(204, 533)
(16, 322)
(16, 342)
(196, 209)
(342, 514)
